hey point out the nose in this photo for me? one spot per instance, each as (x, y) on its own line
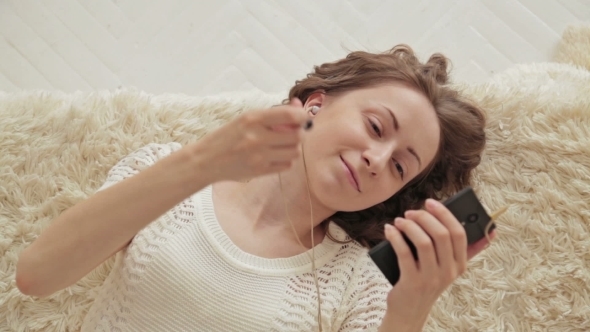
(377, 158)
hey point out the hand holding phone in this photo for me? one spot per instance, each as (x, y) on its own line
(466, 208)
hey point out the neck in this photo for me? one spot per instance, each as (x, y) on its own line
(264, 204)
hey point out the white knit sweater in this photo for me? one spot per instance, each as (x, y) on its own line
(182, 273)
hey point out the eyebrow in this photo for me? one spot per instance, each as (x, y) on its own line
(413, 152)
(393, 118)
(396, 126)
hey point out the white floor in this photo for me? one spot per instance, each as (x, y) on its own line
(203, 47)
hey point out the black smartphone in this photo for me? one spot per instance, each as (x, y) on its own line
(464, 205)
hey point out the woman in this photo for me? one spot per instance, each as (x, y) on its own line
(217, 235)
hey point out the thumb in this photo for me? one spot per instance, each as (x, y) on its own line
(479, 246)
(296, 102)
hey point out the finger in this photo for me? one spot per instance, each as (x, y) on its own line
(407, 264)
(456, 230)
(296, 102)
(293, 102)
(285, 128)
(438, 233)
(282, 139)
(424, 246)
(479, 246)
(284, 115)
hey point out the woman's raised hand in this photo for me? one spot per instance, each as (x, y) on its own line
(255, 143)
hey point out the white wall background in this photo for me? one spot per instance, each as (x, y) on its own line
(206, 47)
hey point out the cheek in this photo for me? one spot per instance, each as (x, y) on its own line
(388, 188)
(329, 138)
(344, 124)
(386, 191)
(380, 193)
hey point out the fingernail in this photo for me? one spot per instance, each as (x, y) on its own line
(431, 203)
(397, 221)
(388, 228)
(308, 125)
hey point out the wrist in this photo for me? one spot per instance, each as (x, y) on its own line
(189, 168)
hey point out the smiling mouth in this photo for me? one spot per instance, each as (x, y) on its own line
(351, 174)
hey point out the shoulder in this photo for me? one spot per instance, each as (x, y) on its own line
(360, 266)
(366, 271)
(365, 297)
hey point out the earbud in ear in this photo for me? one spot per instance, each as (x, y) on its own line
(315, 109)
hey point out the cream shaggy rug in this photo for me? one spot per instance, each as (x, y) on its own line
(57, 148)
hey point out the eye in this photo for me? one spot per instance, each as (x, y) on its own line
(399, 168)
(375, 128)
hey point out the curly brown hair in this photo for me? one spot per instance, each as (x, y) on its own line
(461, 121)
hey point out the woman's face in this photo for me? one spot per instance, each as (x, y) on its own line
(367, 144)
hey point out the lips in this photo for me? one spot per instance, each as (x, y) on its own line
(353, 174)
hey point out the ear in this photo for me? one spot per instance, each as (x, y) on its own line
(317, 98)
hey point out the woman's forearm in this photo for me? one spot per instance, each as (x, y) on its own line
(90, 232)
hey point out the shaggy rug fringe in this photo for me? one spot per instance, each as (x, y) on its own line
(57, 148)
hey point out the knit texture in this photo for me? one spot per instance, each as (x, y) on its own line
(182, 273)
(57, 149)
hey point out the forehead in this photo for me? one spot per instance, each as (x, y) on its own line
(402, 97)
(394, 93)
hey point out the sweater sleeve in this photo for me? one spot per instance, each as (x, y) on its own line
(368, 300)
(137, 161)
